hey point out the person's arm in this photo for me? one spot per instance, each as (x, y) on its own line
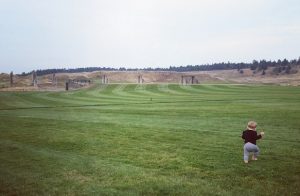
(243, 135)
(260, 135)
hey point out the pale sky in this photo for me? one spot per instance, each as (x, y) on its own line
(44, 34)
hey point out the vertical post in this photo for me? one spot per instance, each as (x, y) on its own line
(140, 79)
(104, 79)
(67, 86)
(181, 80)
(34, 79)
(53, 79)
(193, 77)
(11, 79)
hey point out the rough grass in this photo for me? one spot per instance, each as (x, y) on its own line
(149, 140)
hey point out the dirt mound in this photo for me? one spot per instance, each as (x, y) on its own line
(58, 81)
(249, 76)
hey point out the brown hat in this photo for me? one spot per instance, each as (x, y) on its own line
(251, 125)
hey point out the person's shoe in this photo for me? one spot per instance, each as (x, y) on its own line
(245, 161)
(254, 158)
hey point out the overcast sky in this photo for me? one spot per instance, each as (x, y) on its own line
(40, 34)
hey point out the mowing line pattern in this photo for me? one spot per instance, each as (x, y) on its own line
(149, 139)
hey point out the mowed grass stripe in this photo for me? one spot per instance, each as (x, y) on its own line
(127, 160)
(181, 142)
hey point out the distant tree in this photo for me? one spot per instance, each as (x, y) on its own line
(254, 65)
(279, 62)
(293, 62)
(285, 62)
(273, 63)
(263, 65)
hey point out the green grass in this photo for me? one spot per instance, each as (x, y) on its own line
(149, 140)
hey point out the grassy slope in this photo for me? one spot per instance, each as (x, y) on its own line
(151, 139)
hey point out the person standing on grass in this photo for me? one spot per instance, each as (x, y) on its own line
(250, 136)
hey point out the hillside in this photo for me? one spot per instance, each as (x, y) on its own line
(247, 76)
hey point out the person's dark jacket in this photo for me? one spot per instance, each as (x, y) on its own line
(250, 136)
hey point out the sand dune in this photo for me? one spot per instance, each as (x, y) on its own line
(45, 82)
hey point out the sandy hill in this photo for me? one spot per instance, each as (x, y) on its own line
(46, 82)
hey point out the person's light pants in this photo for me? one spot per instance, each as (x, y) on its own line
(248, 148)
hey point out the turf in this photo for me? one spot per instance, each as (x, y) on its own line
(156, 139)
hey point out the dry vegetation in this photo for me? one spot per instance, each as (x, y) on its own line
(23, 83)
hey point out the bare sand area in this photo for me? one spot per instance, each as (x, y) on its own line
(47, 82)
